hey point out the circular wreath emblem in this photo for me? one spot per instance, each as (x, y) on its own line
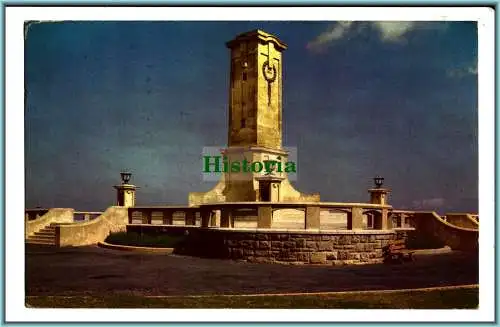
(269, 72)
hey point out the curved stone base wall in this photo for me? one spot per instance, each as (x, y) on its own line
(283, 246)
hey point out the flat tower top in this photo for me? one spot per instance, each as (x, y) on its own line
(257, 34)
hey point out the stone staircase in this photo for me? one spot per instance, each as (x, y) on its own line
(45, 236)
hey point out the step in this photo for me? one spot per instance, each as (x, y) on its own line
(47, 230)
(45, 233)
(40, 242)
(42, 237)
(53, 225)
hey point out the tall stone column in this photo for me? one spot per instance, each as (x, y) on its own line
(254, 124)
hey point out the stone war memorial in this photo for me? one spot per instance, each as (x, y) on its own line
(257, 215)
(253, 238)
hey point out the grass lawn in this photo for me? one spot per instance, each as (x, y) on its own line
(463, 298)
(136, 239)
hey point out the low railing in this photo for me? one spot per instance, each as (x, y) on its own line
(80, 216)
(402, 218)
(406, 218)
(164, 215)
(222, 214)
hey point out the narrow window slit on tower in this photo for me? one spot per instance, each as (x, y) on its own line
(243, 123)
(244, 76)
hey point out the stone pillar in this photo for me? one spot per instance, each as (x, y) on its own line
(125, 195)
(125, 191)
(402, 220)
(381, 220)
(226, 217)
(130, 216)
(312, 217)
(215, 218)
(355, 218)
(390, 222)
(379, 195)
(385, 224)
(205, 217)
(265, 216)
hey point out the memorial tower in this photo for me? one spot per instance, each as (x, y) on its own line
(255, 124)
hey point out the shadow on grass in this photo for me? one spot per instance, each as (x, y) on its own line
(137, 239)
(464, 298)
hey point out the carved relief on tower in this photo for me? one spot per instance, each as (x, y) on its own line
(269, 96)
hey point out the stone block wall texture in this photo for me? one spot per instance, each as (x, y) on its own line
(55, 215)
(462, 220)
(431, 231)
(295, 247)
(290, 247)
(113, 220)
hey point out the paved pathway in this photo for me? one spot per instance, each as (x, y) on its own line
(96, 271)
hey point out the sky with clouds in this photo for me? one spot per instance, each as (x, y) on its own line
(398, 99)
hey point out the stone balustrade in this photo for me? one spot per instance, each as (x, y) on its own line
(85, 215)
(222, 214)
(354, 211)
(402, 218)
(166, 213)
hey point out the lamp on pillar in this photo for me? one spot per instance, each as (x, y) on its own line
(378, 195)
(125, 191)
(125, 175)
(379, 181)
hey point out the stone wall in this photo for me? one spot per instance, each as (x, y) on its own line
(114, 219)
(431, 231)
(462, 220)
(55, 215)
(279, 246)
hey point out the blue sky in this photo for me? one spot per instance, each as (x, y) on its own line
(360, 98)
